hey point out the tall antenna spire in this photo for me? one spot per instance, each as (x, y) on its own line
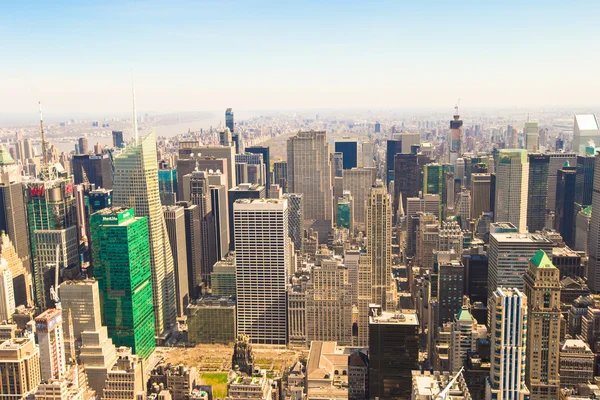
(135, 126)
(44, 153)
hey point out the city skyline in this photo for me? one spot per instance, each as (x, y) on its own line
(335, 55)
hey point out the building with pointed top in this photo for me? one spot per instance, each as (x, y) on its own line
(464, 335)
(542, 288)
(136, 185)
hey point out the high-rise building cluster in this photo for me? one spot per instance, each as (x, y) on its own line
(407, 260)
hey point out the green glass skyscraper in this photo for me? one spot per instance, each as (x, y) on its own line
(121, 255)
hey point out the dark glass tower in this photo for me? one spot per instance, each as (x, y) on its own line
(349, 149)
(538, 191)
(98, 169)
(565, 202)
(394, 146)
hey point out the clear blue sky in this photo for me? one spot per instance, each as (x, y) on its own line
(207, 55)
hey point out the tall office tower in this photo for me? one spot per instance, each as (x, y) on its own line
(225, 138)
(295, 218)
(329, 303)
(393, 147)
(21, 276)
(508, 314)
(274, 192)
(337, 164)
(379, 242)
(266, 159)
(582, 229)
(538, 191)
(367, 154)
(126, 282)
(463, 208)
(48, 326)
(96, 169)
(449, 193)
(451, 237)
(192, 155)
(308, 173)
(167, 186)
(136, 185)
(220, 217)
(509, 252)
(450, 289)
(408, 181)
(557, 160)
(480, 194)
(429, 203)
(117, 137)
(393, 354)
(82, 300)
(28, 149)
(280, 174)
(52, 222)
(433, 179)
(476, 275)
(243, 191)
(532, 137)
(349, 148)
(542, 288)
(98, 354)
(7, 294)
(460, 171)
(593, 246)
(512, 188)
(194, 246)
(364, 297)
(351, 260)
(263, 259)
(229, 119)
(565, 203)
(586, 130)
(345, 212)
(250, 168)
(175, 222)
(584, 182)
(20, 367)
(455, 137)
(358, 181)
(427, 239)
(13, 218)
(83, 145)
(463, 337)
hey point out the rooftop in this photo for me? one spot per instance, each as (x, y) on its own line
(586, 122)
(541, 260)
(395, 318)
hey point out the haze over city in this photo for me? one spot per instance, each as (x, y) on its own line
(76, 57)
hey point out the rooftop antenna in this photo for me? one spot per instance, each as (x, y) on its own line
(135, 127)
(44, 153)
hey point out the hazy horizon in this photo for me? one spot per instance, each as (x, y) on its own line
(273, 56)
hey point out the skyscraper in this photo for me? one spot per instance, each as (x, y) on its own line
(512, 187)
(19, 367)
(229, 119)
(542, 288)
(13, 218)
(21, 276)
(508, 316)
(243, 191)
(93, 168)
(167, 186)
(280, 174)
(358, 181)
(193, 246)
(557, 161)
(122, 263)
(594, 235)
(266, 159)
(349, 148)
(532, 136)
(480, 194)
(585, 130)
(565, 203)
(455, 140)
(48, 326)
(117, 139)
(295, 218)
(220, 216)
(7, 294)
(263, 259)
(136, 185)
(379, 242)
(83, 145)
(538, 191)
(408, 178)
(175, 222)
(197, 190)
(309, 174)
(509, 252)
(82, 299)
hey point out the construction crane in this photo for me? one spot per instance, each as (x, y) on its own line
(443, 395)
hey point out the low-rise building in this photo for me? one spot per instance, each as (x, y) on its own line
(211, 320)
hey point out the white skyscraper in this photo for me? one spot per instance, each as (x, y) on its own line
(263, 257)
(585, 129)
(508, 322)
(49, 330)
(7, 294)
(512, 184)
